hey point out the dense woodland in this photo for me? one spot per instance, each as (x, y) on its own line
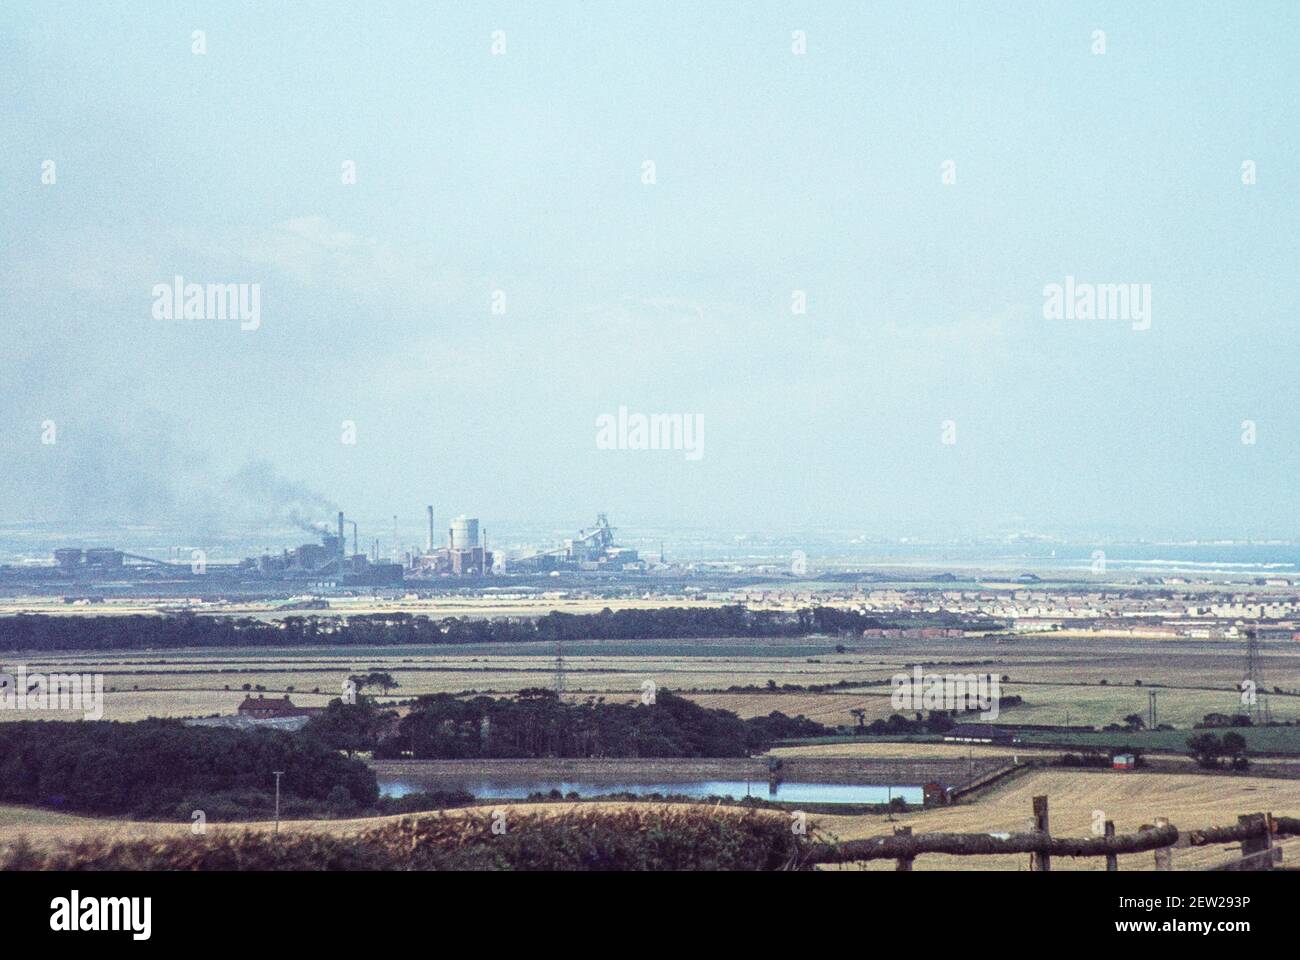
(537, 724)
(43, 633)
(163, 768)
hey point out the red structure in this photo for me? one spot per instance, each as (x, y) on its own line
(268, 708)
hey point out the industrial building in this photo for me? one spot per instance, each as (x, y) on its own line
(326, 563)
(465, 555)
(330, 562)
(461, 551)
(591, 550)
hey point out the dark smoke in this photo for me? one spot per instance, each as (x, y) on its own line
(274, 499)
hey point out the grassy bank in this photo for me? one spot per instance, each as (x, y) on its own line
(631, 838)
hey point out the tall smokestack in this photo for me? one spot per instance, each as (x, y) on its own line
(343, 543)
(428, 543)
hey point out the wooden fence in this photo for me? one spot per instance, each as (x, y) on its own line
(1254, 831)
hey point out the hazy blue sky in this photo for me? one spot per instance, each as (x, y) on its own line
(775, 172)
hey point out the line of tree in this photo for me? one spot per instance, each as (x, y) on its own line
(937, 721)
(41, 632)
(164, 768)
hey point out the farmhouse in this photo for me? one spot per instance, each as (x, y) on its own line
(269, 708)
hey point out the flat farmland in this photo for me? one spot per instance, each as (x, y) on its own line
(1059, 679)
(1075, 798)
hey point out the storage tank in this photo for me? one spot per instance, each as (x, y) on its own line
(464, 533)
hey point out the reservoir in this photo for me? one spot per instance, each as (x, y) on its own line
(784, 792)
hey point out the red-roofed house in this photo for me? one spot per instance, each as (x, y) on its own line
(268, 708)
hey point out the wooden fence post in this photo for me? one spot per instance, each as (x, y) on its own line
(1112, 861)
(1253, 849)
(904, 863)
(1041, 862)
(1164, 855)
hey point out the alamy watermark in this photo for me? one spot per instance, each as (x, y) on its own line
(179, 300)
(75, 913)
(655, 431)
(960, 692)
(1098, 301)
(21, 691)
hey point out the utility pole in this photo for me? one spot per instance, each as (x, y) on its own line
(1152, 715)
(278, 775)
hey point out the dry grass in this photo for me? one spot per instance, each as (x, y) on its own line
(829, 708)
(1129, 799)
(627, 837)
(42, 826)
(1058, 677)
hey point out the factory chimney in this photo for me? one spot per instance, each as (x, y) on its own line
(428, 543)
(343, 543)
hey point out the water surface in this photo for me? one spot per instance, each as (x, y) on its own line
(785, 792)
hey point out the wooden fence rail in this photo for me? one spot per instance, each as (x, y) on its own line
(1255, 831)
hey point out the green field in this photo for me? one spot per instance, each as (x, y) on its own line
(1281, 741)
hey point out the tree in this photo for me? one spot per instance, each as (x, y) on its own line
(1207, 749)
(347, 726)
(340, 801)
(384, 681)
(375, 678)
(1234, 745)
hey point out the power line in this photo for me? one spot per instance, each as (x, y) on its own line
(559, 670)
